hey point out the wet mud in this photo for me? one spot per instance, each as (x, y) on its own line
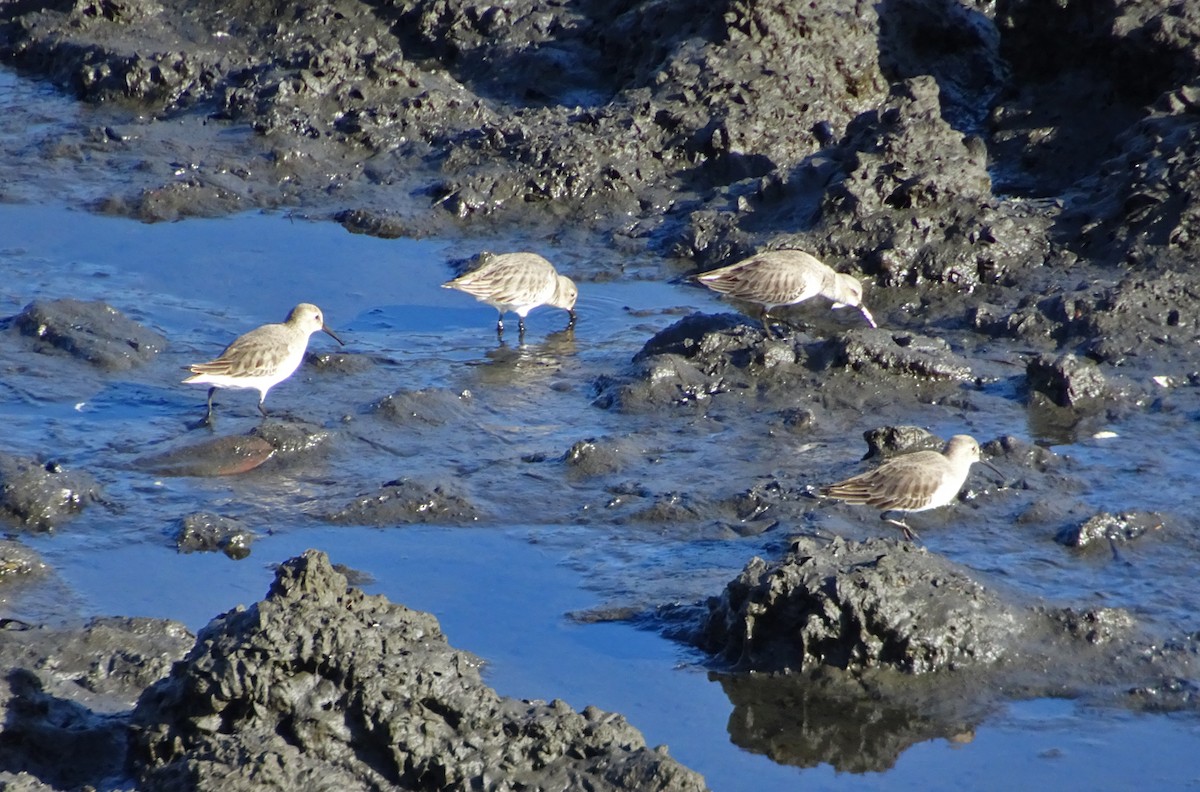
(1023, 215)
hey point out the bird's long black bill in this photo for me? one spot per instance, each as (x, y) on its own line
(333, 335)
(996, 470)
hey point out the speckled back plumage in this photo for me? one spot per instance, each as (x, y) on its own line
(785, 277)
(263, 357)
(512, 280)
(772, 278)
(912, 482)
(517, 282)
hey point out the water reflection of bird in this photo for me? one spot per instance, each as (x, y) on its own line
(913, 482)
(263, 357)
(527, 362)
(785, 277)
(518, 282)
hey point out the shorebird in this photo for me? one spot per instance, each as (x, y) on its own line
(913, 482)
(263, 357)
(785, 277)
(518, 282)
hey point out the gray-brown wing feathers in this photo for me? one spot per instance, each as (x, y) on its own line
(509, 285)
(900, 484)
(764, 281)
(254, 354)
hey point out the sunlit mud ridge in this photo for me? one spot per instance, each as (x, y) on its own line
(317, 684)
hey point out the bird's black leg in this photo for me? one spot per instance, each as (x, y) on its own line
(909, 533)
(207, 420)
(520, 329)
(769, 325)
(500, 328)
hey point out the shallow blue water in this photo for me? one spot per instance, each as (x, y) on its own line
(502, 589)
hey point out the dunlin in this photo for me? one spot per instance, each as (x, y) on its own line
(262, 358)
(913, 482)
(518, 282)
(785, 277)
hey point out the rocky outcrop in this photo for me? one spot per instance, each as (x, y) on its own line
(320, 687)
(92, 331)
(42, 496)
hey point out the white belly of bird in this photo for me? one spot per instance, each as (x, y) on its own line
(946, 492)
(258, 382)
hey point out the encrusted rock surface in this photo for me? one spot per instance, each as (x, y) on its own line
(92, 331)
(320, 686)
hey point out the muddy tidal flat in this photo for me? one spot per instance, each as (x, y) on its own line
(595, 556)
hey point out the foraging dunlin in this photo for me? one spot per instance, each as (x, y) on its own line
(518, 282)
(785, 277)
(913, 482)
(262, 358)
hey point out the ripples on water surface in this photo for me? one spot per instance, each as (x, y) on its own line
(502, 588)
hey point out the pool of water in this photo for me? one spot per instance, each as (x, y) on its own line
(504, 586)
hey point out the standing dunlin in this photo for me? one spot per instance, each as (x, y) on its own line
(262, 358)
(913, 482)
(518, 282)
(785, 277)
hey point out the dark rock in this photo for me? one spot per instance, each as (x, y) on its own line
(292, 438)
(896, 156)
(1096, 626)
(42, 496)
(1027, 323)
(661, 381)
(703, 336)
(886, 441)
(65, 695)
(904, 353)
(1105, 528)
(18, 561)
(1066, 380)
(751, 509)
(1172, 694)
(105, 664)
(319, 684)
(596, 457)
(429, 406)
(1138, 206)
(965, 62)
(404, 501)
(1014, 450)
(488, 107)
(91, 331)
(339, 362)
(1143, 316)
(1058, 118)
(366, 221)
(670, 508)
(909, 195)
(875, 604)
(703, 355)
(206, 532)
(797, 419)
(1055, 509)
